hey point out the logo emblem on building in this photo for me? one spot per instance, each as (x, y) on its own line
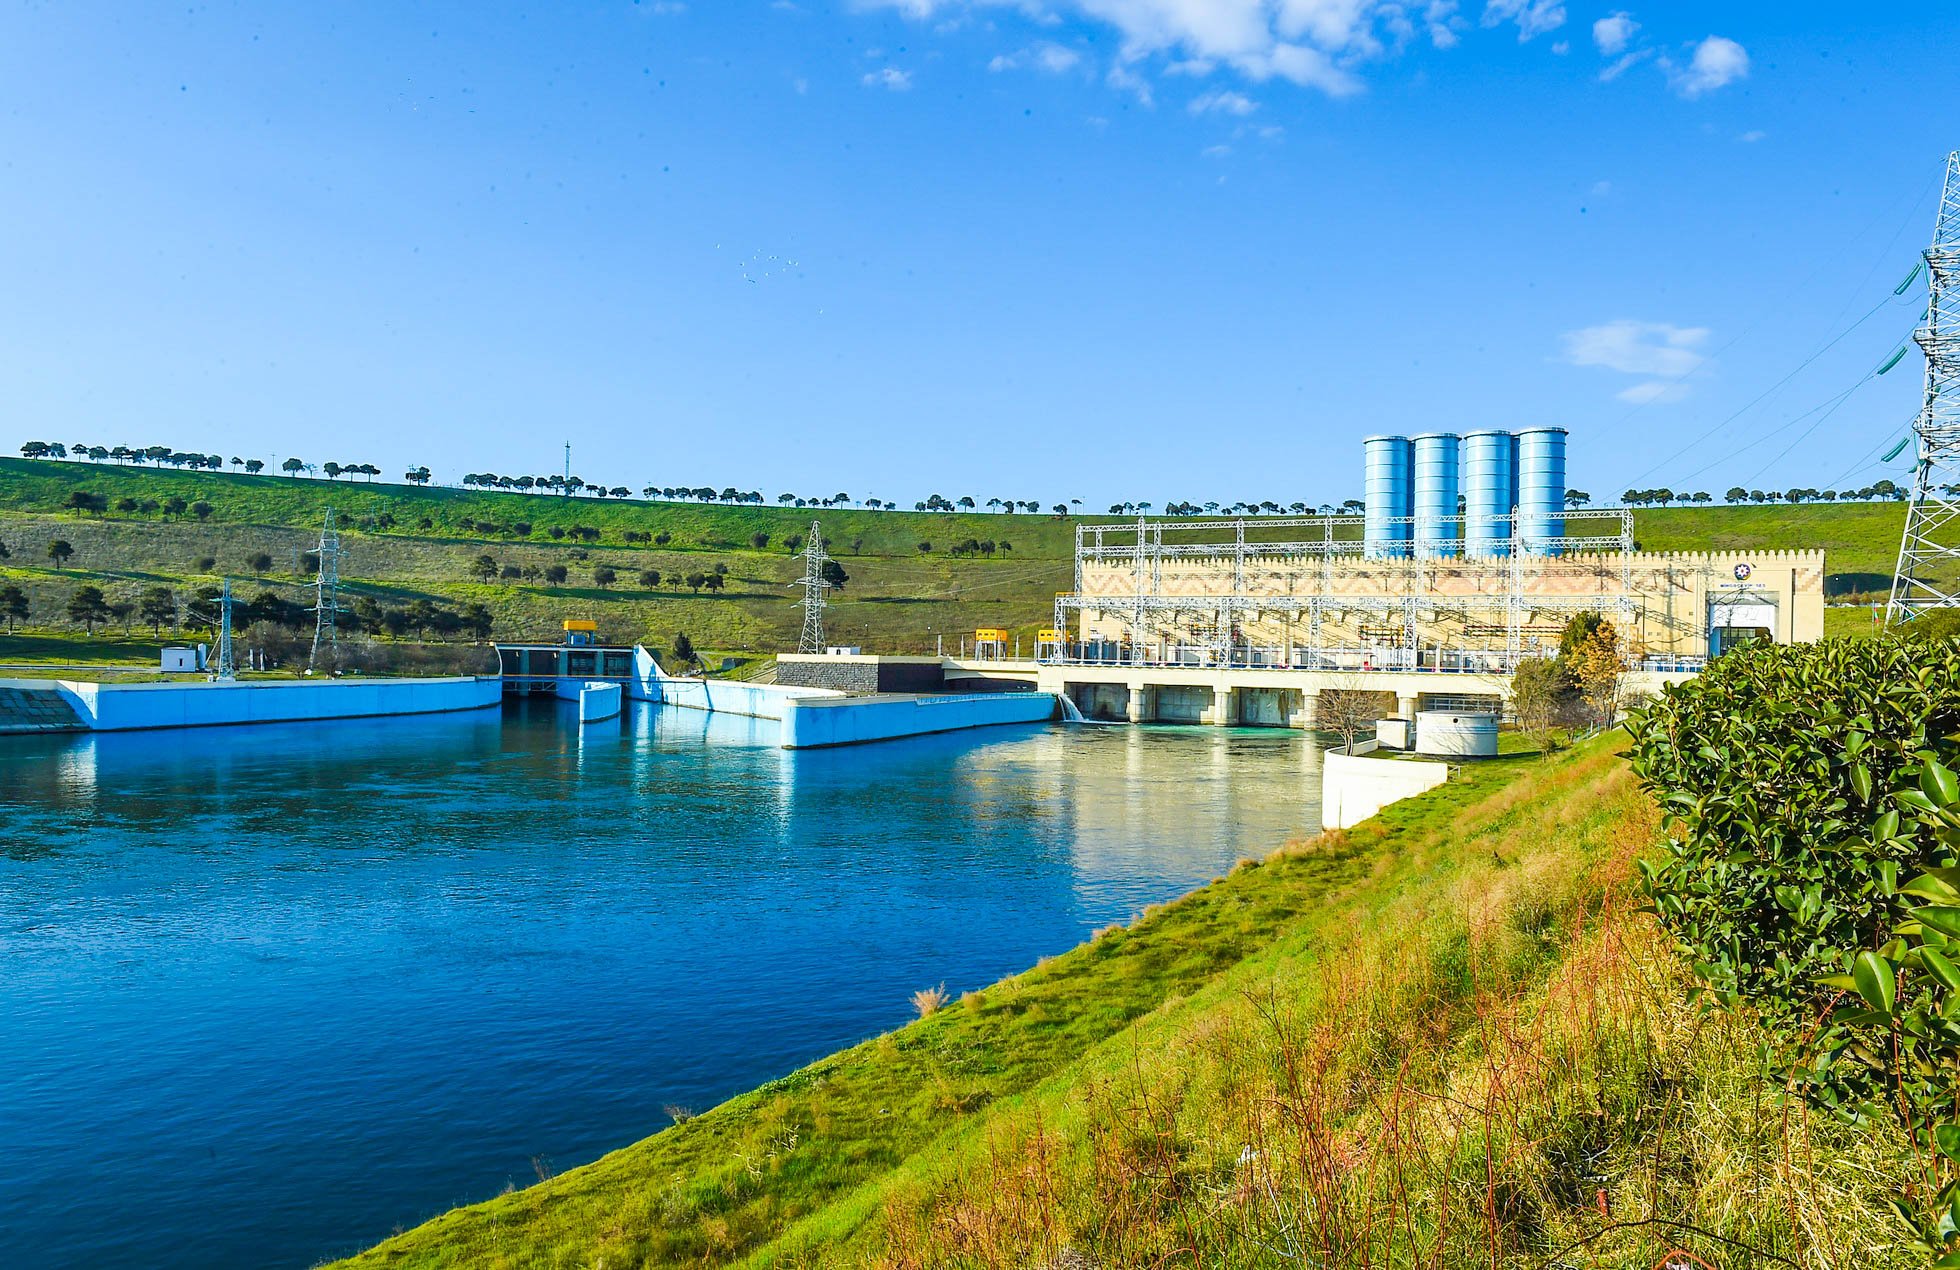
(1742, 572)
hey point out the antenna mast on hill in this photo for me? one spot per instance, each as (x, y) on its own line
(326, 592)
(1928, 575)
(814, 585)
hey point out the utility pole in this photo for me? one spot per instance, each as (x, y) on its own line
(1925, 578)
(326, 593)
(814, 585)
(227, 668)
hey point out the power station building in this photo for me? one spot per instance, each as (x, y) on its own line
(1466, 561)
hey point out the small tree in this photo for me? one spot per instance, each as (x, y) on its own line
(483, 568)
(13, 605)
(1535, 691)
(201, 509)
(649, 579)
(758, 540)
(713, 581)
(683, 649)
(555, 574)
(694, 581)
(924, 547)
(157, 605)
(834, 574)
(603, 576)
(291, 467)
(1599, 667)
(174, 506)
(259, 562)
(1346, 711)
(477, 619)
(88, 607)
(59, 551)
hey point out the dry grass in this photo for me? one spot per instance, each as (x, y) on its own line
(930, 1001)
(1502, 1072)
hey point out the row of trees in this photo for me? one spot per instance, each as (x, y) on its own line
(88, 606)
(1879, 491)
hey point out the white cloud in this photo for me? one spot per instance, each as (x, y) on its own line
(1562, 47)
(1647, 349)
(1053, 58)
(889, 77)
(1534, 17)
(1717, 61)
(1216, 152)
(1752, 136)
(1620, 67)
(1443, 23)
(1653, 392)
(1121, 77)
(1313, 43)
(667, 8)
(1613, 33)
(1223, 103)
(1600, 189)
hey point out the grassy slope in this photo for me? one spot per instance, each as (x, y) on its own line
(897, 600)
(1439, 1033)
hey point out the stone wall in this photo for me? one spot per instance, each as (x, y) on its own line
(861, 675)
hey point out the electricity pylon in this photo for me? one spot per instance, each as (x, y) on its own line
(1928, 574)
(814, 586)
(326, 592)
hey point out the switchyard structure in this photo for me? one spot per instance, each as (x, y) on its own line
(1465, 562)
(1928, 572)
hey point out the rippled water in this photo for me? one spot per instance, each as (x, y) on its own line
(268, 993)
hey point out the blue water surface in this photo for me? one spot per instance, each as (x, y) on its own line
(270, 993)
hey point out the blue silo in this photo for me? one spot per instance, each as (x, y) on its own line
(1437, 485)
(1387, 481)
(1490, 491)
(1541, 490)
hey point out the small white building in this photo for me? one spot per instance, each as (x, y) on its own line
(180, 659)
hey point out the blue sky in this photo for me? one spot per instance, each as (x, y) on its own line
(1096, 249)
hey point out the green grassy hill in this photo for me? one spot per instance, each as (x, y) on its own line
(407, 544)
(1443, 1038)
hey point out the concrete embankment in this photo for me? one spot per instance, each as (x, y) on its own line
(812, 723)
(128, 707)
(818, 717)
(1353, 787)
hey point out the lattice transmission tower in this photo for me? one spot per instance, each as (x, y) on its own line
(814, 585)
(227, 668)
(326, 592)
(1928, 574)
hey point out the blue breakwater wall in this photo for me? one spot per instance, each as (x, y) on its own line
(761, 701)
(127, 707)
(814, 723)
(599, 701)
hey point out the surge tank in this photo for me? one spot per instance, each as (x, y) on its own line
(1437, 470)
(1387, 484)
(1490, 491)
(1541, 491)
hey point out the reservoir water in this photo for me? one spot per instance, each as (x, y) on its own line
(268, 993)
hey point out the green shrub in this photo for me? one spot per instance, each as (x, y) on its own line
(1813, 809)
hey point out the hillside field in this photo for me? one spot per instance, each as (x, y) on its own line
(906, 588)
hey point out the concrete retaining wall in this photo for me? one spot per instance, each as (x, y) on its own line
(762, 701)
(1354, 786)
(812, 723)
(598, 701)
(126, 707)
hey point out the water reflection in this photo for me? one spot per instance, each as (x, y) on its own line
(272, 991)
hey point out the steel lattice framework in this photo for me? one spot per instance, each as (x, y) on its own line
(1928, 574)
(814, 586)
(1142, 550)
(326, 592)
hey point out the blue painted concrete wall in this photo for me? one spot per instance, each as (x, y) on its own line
(124, 707)
(808, 724)
(762, 701)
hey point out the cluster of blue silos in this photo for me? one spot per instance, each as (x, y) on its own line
(1411, 487)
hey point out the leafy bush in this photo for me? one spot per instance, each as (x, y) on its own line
(1813, 808)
